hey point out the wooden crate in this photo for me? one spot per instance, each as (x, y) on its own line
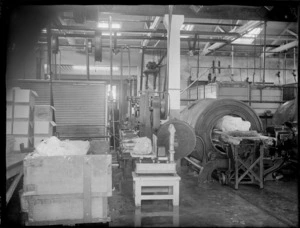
(21, 96)
(66, 189)
(19, 111)
(64, 209)
(68, 174)
(19, 127)
(43, 112)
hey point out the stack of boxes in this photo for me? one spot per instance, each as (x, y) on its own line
(19, 116)
(43, 123)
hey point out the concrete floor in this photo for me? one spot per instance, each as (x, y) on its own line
(211, 204)
(208, 205)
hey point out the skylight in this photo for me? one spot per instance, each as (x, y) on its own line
(187, 27)
(106, 25)
(108, 34)
(249, 37)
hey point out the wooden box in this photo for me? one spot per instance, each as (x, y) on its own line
(17, 95)
(19, 111)
(43, 113)
(19, 127)
(44, 127)
(66, 189)
(68, 209)
(68, 174)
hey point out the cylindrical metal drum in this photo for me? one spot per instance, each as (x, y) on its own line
(203, 115)
(185, 137)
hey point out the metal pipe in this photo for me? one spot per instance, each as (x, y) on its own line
(284, 68)
(59, 64)
(232, 53)
(50, 72)
(111, 89)
(55, 66)
(142, 69)
(198, 62)
(122, 96)
(194, 163)
(130, 82)
(296, 100)
(265, 35)
(252, 101)
(87, 60)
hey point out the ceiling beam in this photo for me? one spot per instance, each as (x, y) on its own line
(278, 37)
(292, 33)
(152, 30)
(232, 12)
(153, 26)
(241, 30)
(283, 47)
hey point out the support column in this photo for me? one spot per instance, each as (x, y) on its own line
(174, 63)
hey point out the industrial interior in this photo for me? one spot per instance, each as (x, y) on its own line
(152, 115)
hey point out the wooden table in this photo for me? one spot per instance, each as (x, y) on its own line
(245, 151)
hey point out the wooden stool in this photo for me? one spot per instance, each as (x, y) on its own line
(160, 182)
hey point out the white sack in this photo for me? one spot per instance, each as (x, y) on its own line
(230, 123)
(142, 145)
(54, 147)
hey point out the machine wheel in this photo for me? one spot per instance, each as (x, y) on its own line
(203, 115)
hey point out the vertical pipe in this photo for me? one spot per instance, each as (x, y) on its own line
(49, 62)
(130, 81)
(294, 58)
(198, 59)
(254, 62)
(59, 65)
(232, 53)
(122, 95)
(87, 59)
(55, 72)
(111, 75)
(284, 68)
(142, 69)
(50, 71)
(265, 37)
(296, 100)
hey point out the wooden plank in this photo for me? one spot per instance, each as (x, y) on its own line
(157, 197)
(155, 168)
